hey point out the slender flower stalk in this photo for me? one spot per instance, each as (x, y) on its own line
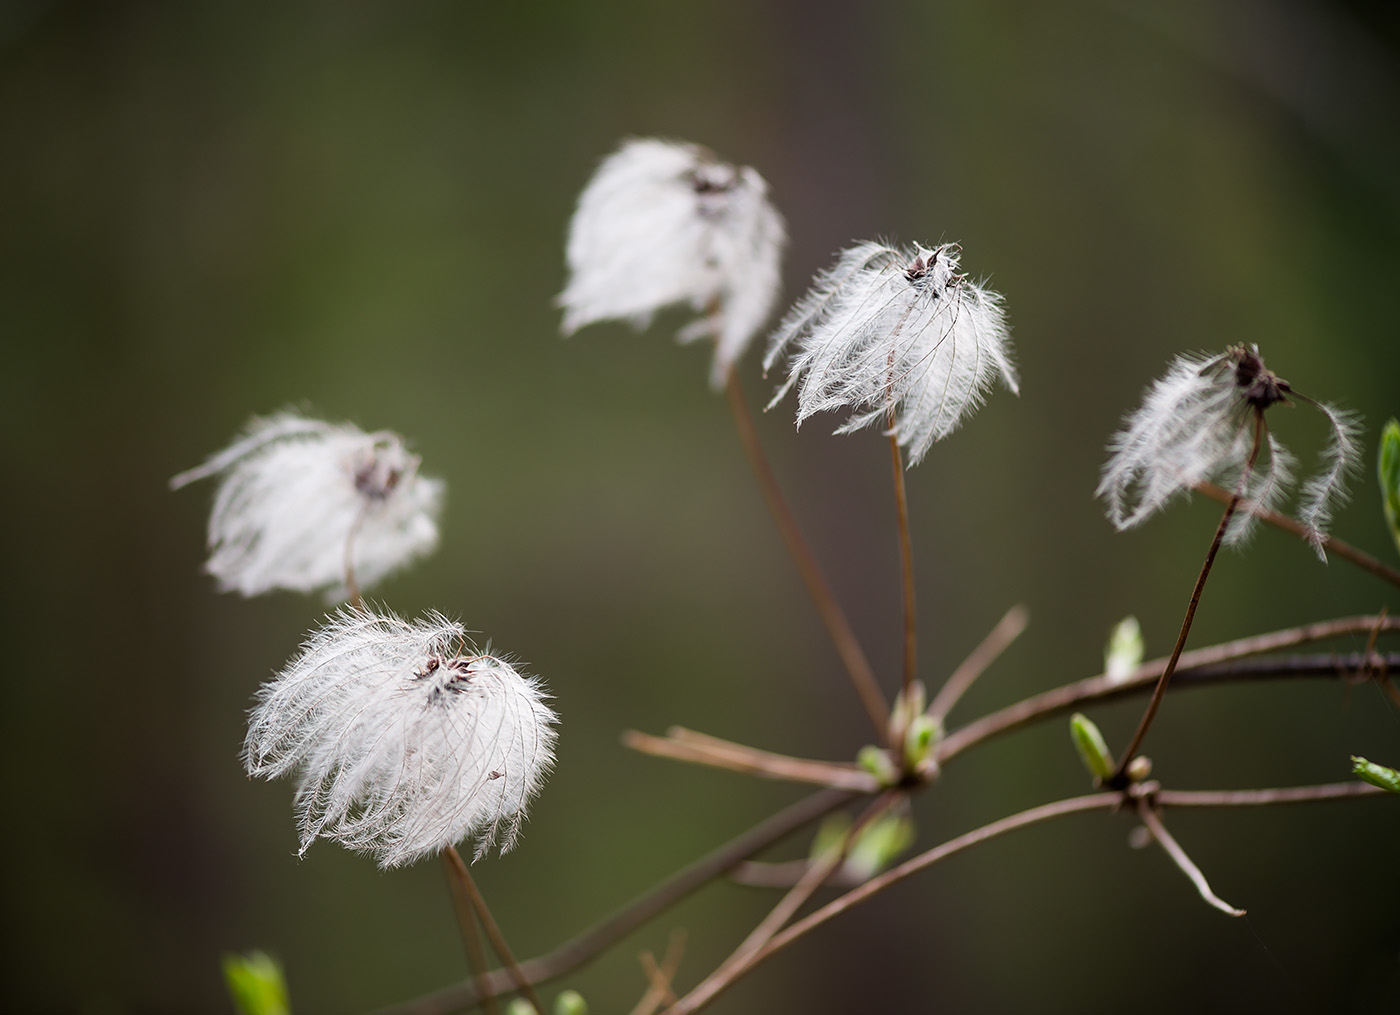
(906, 569)
(828, 609)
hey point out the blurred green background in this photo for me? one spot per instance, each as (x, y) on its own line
(215, 210)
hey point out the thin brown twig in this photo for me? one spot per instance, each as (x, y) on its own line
(686, 745)
(1046, 812)
(659, 978)
(1007, 630)
(832, 617)
(493, 930)
(1119, 778)
(906, 569)
(466, 923)
(1263, 797)
(1346, 551)
(1103, 688)
(738, 962)
(584, 947)
(351, 585)
(1173, 849)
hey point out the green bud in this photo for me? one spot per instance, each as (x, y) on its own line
(879, 843)
(256, 984)
(1388, 466)
(570, 1002)
(1123, 653)
(1139, 768)
(1090, 744)
(1376, 775)
(520, 1006)
(919, 741)
(908, 706)
(877, 762)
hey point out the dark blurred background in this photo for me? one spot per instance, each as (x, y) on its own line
(215, 210)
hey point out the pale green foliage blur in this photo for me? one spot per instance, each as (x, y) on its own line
(256, 984)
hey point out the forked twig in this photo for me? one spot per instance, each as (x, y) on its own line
(586, 946)
(466, 923)
(1173, 849)
(659, 978)
(741, 959)
(681, 744)
(493, 930)
(998, 639)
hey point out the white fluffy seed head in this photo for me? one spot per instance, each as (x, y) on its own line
(897, 338)
(404, 740)
(663, 223)
(1197, 424)
(298, 499)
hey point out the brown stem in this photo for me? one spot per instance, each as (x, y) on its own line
(1119, 778)
(659, 978)
(1263, 797)
(738, 962)
(1046, 812)
(1213, 665)
(906, 567)
(1008, 629)
(493, 931)
(1173, 849)
(685, 745)
(877, 884)
(588, 945)
(832, 617)
(1297, 528)
(466, 923)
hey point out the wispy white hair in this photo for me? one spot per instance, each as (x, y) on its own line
(1197, 424)
(898, 338)
(299, 499)
(403, 738)
(663, 223)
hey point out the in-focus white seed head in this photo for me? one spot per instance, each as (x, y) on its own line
(403, 738)
(298, 499)
(1197, 424)
(896, 337)
(663, 223)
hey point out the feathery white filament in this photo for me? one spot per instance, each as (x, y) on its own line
(299, 498)
(1197, 424)
(897, 335)
(663, 223)
(403, 741)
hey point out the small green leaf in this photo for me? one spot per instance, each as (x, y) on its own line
(1090, 744)
(570, 1002)
(520, 1006)
(256, 984)
(1123, 653)
(1376, 775)
(1388, 466)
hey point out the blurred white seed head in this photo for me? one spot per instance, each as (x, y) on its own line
(1197, 424)
(664, 223)
(403, 738)
(898, 338)
(298, 499)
